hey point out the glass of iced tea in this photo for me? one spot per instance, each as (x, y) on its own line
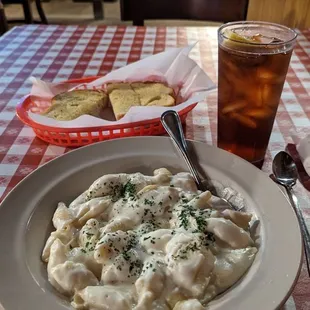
(252, 64)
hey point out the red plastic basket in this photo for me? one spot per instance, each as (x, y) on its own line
(74, 137)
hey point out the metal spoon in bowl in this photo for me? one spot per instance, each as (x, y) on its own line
(172, 123)
(285, 173)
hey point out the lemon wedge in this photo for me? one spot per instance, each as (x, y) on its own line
(231, 35)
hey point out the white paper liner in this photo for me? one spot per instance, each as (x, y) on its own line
(174, 67)
(302, 141)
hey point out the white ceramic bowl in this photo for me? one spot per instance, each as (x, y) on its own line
(25, 220)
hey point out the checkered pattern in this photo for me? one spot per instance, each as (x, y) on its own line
(55, 53)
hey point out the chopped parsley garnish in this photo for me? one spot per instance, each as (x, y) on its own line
(201, 223)
(183, 217)
(209, 238)
(127, 190)
(149, 266)
(183, 253)
(198, 215)
(149, 202)
(126, 256)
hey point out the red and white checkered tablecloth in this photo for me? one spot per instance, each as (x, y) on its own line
(55, 53)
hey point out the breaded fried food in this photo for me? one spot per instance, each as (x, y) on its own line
(163, 100)
(122, 99)
(112, 86)
(70, 105)
(123, 96)
(151, 91)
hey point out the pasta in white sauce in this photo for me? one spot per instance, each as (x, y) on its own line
(146, 242)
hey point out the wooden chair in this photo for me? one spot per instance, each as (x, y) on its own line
(3, 21)
(97, 7)
(28, 11)
(209, 10)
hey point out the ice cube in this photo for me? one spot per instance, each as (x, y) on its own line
(259, 113)
(244, 120)
(266, 75)
(230, 66)
(260, 95)
(233, 107)
(267, 92)
(244, 36)
(226, 89)
(253, 95)
(261, 39)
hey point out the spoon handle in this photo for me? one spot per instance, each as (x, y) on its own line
(172, 123)
(303, 227)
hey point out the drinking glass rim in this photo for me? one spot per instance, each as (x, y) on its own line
(259, 23)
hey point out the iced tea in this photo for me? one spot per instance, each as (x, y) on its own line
(253, 62)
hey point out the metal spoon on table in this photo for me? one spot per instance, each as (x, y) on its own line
(285, 173)
(172, 123)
